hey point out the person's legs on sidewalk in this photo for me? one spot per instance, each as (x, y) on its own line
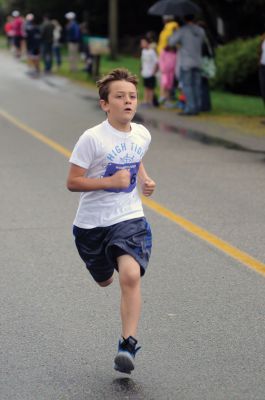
(73, 56)
(262, 81)
(47, 57)
(149, 87)
(196, 87)
(186, 80)
(57, 55)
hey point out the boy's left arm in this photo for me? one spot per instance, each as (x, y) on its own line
(147, 184)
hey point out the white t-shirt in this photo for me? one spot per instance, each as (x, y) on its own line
(103, 150)
(149, 61)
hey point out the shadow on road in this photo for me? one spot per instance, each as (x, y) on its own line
(128, 387)
(194, 135)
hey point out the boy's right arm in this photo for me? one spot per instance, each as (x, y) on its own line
(78, 182)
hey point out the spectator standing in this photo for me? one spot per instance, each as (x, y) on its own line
(190, 37)
(47, 29)
(9, 32)
(56, 46)
(151, 36)
(33, 45)
(73, 37)
(17, 26)
(207, 69)
(167, 67)
(85, 53)
(262, 69)
(170, 26)
(149, 67)
(28, 25)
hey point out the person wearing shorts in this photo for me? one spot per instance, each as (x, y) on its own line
(149, 68)
(110, 230)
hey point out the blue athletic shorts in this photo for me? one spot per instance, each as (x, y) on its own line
(100, 247)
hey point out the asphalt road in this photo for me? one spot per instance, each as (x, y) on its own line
(202, 329)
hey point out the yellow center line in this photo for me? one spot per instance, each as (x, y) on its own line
(208, 237)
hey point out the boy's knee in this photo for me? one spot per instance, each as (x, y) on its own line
(105, 283)
(131, 277)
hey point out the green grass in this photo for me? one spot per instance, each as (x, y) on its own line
(106, 65)
(228, 103)
(224, 103)
(2, 42)
(132, 63)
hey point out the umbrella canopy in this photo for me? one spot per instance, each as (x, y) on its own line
(174, 7)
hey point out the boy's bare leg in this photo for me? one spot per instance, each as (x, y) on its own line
(150, 95)
(106, 283)
(130, 283)
(145, 95)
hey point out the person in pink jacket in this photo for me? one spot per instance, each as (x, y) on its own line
(17, 26)
(167, 67)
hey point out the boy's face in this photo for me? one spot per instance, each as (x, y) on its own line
(121, 104)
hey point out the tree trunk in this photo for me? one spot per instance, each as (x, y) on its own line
(113, 28)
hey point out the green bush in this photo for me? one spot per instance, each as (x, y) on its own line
(237, 64)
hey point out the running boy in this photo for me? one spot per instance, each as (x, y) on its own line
(109, 228)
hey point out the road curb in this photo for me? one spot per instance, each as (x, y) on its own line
(202, 130)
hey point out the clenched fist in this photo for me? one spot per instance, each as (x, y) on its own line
(148, 186)
(121, 179)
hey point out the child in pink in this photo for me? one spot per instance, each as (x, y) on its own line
(167, 67)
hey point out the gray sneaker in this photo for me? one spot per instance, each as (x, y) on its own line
(124, 360)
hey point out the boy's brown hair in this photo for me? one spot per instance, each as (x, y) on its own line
(118, 74)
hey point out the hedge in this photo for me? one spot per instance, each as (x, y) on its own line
(236, 64)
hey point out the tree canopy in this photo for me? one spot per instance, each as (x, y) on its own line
(241, 18)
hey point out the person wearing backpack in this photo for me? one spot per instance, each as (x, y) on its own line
(73, 36)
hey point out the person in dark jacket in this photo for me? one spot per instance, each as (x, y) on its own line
(207, 69)
(33, 37)
(47, 29)
(73, 36)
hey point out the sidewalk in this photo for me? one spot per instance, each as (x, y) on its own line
(233, 131)
(247, 133)
(237, 131)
